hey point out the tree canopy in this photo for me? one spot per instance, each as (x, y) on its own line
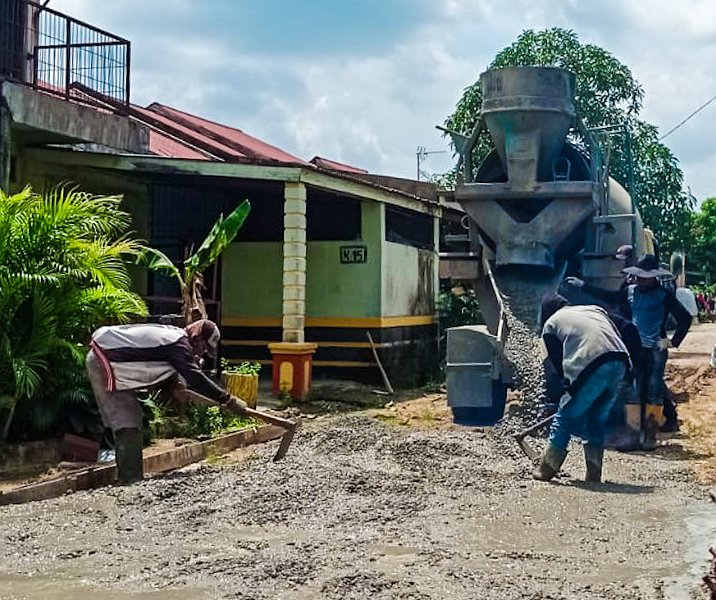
(703, 242)
(606, 94)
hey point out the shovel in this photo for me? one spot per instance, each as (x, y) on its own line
(288, 425)
(522, 443)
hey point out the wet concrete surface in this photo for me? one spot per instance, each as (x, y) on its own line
(364, 509)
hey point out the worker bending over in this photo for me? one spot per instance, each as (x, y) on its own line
(585, 348)
(125, 359)
(650, 306)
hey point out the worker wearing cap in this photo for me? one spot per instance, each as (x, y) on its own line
(124, 359)
(650, 306)
(586, 349)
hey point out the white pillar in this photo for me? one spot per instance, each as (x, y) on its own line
(294, 262)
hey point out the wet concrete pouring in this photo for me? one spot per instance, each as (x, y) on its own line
(364, 509)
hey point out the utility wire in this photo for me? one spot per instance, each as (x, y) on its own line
(698, 110)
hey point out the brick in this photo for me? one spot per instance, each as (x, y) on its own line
(294, 249)
(293, 335)
(294, 236)
(293, 322)
(294, 307)
(294, 221)
(295, 191)
(294, 278)
(294, 207)
(294, 292)
(291, 263)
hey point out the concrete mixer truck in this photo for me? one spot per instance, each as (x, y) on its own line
(540, 203)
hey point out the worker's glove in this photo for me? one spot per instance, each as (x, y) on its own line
(236, 405)
(574, 282)
(664, 344)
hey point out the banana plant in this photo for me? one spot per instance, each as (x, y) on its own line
(191, 280)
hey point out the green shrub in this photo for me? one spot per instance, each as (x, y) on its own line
(62, 274)
(167, 419)
(457, 305)
(244, 368)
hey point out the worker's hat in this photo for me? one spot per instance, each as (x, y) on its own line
(647, 268)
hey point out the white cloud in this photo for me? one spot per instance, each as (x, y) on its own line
(372, 108)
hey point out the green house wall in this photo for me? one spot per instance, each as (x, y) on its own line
(252, 276)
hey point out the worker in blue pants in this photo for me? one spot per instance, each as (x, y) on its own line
(585, 348)
(650, 306)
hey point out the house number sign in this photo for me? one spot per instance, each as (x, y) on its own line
(354, 254)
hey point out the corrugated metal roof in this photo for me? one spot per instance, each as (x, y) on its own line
(186, 134)
(180, 135)
(163, 145)
(334, 165)
(244, 144)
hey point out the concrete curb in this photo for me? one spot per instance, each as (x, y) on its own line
(98, 476)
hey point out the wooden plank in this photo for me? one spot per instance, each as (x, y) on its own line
(102, 475)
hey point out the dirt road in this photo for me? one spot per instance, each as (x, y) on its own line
(384, 504)
(363, 509)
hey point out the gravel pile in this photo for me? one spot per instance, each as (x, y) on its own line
(361, 509)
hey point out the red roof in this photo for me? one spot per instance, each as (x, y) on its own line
(333, 165)
(163, 145)
(203, 132)
(186, 134)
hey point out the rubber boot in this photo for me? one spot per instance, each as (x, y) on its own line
(593, 457)
(671, 423)
(128, 448)
(627, 439)
(550, 464)
(654, 417)
(670, 426)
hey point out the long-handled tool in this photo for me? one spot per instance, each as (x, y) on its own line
(522, 443)
(389, 388)
(288, 425)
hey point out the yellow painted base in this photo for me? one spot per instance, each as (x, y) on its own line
(292, 348)
(292, 363)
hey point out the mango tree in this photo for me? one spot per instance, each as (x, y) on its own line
(607, 94)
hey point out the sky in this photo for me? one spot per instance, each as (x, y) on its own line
(366, 81)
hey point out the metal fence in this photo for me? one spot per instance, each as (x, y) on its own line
(61, 55)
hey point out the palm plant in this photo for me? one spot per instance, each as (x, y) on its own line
(191, 281)
(62, 273)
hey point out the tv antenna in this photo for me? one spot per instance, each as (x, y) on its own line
(421, 154)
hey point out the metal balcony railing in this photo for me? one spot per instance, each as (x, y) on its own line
(60, 55)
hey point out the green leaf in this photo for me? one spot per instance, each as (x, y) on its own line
(63, 272)
(221, 235)
(158, 261)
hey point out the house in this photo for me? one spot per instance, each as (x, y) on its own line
(328, 254)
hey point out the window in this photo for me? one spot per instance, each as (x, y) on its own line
(331, 217)
(183, 214)
(408, 227)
